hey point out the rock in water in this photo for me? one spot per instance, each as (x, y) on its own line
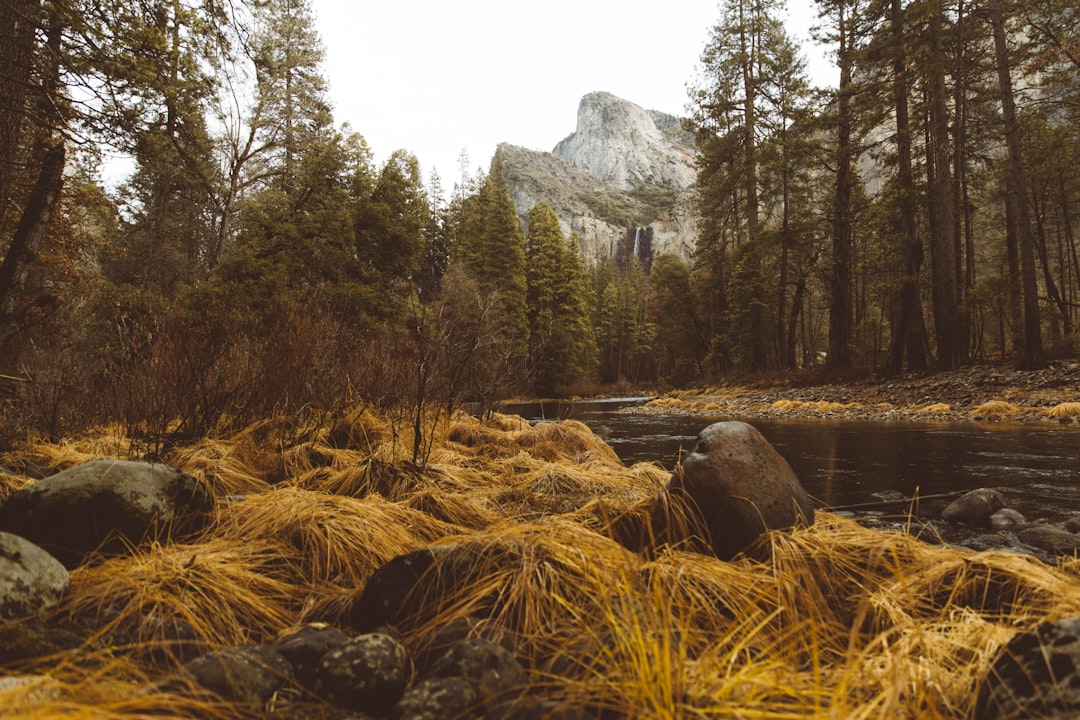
(106, 504)
(975, 507)
(31, 579)
(741, 486)
(1037, 675)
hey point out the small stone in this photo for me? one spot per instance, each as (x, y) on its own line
(492, 670)
(1007, 518)
(304, 647)
(436, 699)
(369, 673)
(244, 674)
(31, 580)
(1037, 675)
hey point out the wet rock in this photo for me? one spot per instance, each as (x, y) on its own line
(304, 647)
(106, 505)
(491, 669)
(1050, 538)
(436, 699)
(32, 638)
(28, 689)
(1073, 524)
(31, 580)
(975, 507)
(1037, 675)
(741, 486)
(245, 674)
(540, 709)
(1007, 518)
(385, 597)
(369, 673)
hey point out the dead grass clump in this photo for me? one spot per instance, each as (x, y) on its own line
(998, 587)
(525, 578)
(997, 409)
(1064, 410)
(391, 480)
(10, 484)
(566, 440)
(934, 409)
(218, 463)
(473, 435)
(358, 428)
(329, 539)
(469, 511)
(179, 598)
(308, 456)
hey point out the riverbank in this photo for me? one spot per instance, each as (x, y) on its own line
(831, 620)
(973, 394)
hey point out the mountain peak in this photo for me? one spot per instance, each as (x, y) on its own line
(623, 144)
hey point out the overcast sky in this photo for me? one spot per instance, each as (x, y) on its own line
(435, 76)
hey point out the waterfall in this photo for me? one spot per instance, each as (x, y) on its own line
(637, 242)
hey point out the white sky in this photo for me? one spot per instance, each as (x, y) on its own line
(436, 76)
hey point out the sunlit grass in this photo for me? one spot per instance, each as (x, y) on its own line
(834, 620)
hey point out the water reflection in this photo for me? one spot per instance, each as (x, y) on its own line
(846, 463)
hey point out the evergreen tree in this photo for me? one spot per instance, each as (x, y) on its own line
(491, 247)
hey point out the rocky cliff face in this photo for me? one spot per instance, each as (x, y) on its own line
(621, 181)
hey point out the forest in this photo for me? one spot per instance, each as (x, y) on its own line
(258, 260)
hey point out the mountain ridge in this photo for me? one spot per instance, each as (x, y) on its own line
(623, 171)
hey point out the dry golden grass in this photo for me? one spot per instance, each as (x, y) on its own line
(997, 409)
(1064, 410)
(834, 620)
(818, 405)
(934, 409)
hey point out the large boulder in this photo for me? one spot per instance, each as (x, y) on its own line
(31, 580)
(741, 487)
(249, 674)
(1037, 675)
(106, 505)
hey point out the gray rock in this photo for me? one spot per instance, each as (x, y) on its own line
(386, 595)
(106, 505)
(369, 673)
(492, 670)
(1050, 538)
(975, 507)
(741, 486)
(304, 647)
(1007, 518)
(245, 674)
(1037, 675)
(31, 580)
(436, 699)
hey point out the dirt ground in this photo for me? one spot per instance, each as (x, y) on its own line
(978, 393)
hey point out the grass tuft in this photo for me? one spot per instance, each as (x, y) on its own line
(997, 409)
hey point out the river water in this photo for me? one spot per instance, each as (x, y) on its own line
(1036, 467)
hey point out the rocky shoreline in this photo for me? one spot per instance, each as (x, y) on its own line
(973, 394)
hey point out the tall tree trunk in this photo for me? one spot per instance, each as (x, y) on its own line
(942, 219)
(840, 304)
(748, 41)
(909, 335)
(1032, 357)
(17, 26)
(24, 246)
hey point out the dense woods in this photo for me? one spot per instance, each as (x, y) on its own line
(918, 214)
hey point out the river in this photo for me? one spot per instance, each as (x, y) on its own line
(846, 463)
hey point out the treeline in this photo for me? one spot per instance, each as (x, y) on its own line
(257, 260)
(919, 214)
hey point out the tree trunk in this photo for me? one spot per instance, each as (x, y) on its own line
(942, 218)
(840, 305)
(1032, 357)
(24, 246)
(17, 26)
(909, 335)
